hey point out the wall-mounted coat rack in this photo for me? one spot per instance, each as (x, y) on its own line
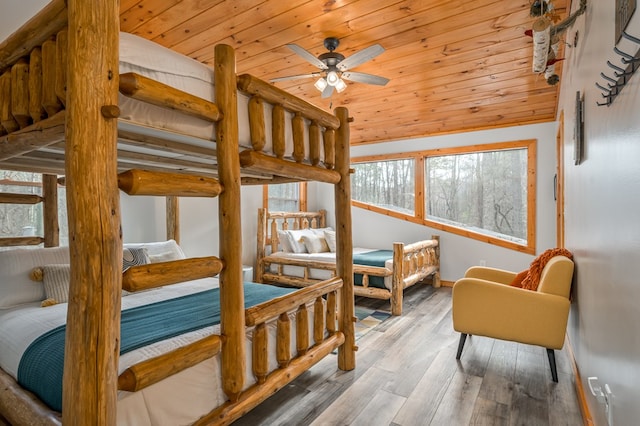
(621, 76)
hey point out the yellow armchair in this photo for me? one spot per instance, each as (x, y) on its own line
(484, 304)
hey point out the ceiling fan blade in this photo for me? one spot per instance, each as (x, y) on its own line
(300, 51)
(362, 77)
(360, 57)
(327, 92)
(296, 77)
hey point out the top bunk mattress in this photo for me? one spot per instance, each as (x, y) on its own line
(147, 58)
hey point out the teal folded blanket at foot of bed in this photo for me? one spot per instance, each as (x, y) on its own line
(40, 369)
(372, 258)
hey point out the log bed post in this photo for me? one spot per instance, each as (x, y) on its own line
(344, 255)
(93, 320)
(232, 320)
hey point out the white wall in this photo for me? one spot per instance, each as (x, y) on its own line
(459, 253)
(602, 205)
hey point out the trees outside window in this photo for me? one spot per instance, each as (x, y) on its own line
(486, 192)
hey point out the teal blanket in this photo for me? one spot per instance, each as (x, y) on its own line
(372, 258)
(41, 365)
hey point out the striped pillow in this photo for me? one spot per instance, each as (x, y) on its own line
(55, 278)
(134, 257)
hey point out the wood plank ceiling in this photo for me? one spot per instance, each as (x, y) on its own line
(454, 65)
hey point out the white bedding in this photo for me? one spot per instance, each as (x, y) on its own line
(319, 274)
(180, 399)
(149, 59)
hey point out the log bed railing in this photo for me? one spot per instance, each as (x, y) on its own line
(64, 62)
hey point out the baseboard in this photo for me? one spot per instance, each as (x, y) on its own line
(446, 283)
(582, 400)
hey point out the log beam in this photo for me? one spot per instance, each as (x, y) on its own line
(263, 163)
(142, 182)
(160, 94)
(160, 274)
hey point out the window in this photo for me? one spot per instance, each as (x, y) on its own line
(286, 197)
(23, 220)
(486, 192)
(387, 184)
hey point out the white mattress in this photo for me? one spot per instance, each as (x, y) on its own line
(149, 59)
(319, 274)
(179, 399)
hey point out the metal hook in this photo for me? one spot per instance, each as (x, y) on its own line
(604, 89)
(626, 58)
(630, 37)
(604, 104)
(606, 77)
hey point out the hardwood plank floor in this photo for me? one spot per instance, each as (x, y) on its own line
(406, 374)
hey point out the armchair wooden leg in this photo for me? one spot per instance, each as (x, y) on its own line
(552, 364)
(463, 337)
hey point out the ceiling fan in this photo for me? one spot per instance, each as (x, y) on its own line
(335, 67)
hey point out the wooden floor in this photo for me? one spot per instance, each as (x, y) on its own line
(407, 375)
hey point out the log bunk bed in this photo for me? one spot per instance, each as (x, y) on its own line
(59, 108)
(404, 266)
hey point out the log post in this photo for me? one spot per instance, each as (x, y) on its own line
(50, 101)
(283, 340)
(314, 144)
(297, 127)
(329, 148)
(232, 321)
(260, 355)
(277, 131)
(50, 207)
(344, 251)
(262, 243)
(397, 278)
(20, 92)
(62, 47)
(332, 312)
(302, 330)
(6, 118)
(92, 341)
(318, 321)
(36, 111)
(256, 123)
(173, 218)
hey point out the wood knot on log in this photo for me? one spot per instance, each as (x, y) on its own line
(110, 111)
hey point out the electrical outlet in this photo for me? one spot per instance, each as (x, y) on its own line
(483, 262)
(603, 395)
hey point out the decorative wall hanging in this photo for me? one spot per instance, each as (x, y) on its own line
(546, 32)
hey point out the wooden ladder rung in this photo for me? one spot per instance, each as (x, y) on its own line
(144, 182)
(9, 198)
(154, 275)
(151, 371)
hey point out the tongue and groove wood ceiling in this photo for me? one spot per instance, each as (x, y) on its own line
(454, 65)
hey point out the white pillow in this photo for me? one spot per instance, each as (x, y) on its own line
(330, 237)
(285, 241)
(295, 237)
(315, 243)
(168, 250)
(16, 287)
(134, 257)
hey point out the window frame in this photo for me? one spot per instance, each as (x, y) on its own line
(419, 216)
(302, 195)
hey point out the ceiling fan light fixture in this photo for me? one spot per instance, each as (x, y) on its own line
(332, 78)
(321, 84)
(341, 85)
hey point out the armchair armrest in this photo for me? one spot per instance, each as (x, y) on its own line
(491, 309)
(496, 275)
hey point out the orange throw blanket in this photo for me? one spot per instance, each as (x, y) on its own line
(530, 278)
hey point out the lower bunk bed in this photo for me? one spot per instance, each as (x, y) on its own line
(297, 249)
(156, 325)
